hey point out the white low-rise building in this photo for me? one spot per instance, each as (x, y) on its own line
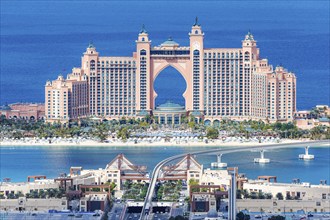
(221, 177)
(277, 206)
(215, 177)
(302, 191)
(117, 171)
(7, 188)
(98, 177)
(24, 204)
(92, 202)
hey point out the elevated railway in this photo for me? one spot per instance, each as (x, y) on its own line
(151, 189)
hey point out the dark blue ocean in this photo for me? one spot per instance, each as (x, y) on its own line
(41, 39)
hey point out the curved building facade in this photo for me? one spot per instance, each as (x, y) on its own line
(221, 82)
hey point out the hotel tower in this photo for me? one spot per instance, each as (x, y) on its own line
(232, 83)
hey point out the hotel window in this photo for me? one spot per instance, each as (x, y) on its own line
(246, 56)
(92, 64)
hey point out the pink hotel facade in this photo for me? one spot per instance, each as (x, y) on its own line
(221, 83)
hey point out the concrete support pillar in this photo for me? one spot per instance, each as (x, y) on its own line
(232, 196)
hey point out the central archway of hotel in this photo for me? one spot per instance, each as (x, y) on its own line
(169, 86)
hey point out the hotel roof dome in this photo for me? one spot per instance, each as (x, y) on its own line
(249, 36)
(6, 108)
(169, 42)
(170, 105)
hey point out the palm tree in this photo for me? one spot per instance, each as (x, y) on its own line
(245, 194)
(11, 196)
(101, 132)
(147, 118)
(279, 196)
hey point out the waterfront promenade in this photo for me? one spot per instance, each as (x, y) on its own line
(147, 203)
(187, 141)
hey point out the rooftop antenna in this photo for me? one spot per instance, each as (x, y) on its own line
(143, 29)
(90, 45)
(196, 21)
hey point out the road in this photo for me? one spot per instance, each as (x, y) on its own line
(155, 173)
(177, 211)
(45, 216)
(132, 216)
(116, 211)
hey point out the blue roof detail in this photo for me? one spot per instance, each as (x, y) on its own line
(170, 104)
(196, 113)
(196, 22)
(170, 42)
(143, 113)
(143, 30)
(5, 108)
(91, 45)
(249, 36)
(324, 119)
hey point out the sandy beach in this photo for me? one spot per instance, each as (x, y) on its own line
(210, 143)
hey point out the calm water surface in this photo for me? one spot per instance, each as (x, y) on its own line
(41, 39)
(19, 162)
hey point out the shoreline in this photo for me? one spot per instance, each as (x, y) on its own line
(216, 143)
(320, 144)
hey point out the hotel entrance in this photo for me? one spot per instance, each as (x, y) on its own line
(169, 113)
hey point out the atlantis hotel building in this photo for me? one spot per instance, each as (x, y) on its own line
(232, 83)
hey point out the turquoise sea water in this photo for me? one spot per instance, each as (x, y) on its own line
(41, 39)
(19, 162)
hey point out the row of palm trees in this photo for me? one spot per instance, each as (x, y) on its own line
(37, 194)
(244, 194)
(47, 193)
(88, 128)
